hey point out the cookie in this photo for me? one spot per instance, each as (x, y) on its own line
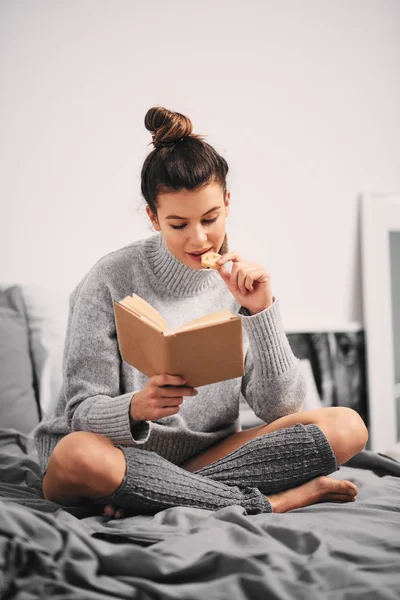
(209, 260)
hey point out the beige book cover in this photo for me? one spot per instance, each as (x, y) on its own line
(203, 351)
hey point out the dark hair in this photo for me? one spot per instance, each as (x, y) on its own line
(180, 160)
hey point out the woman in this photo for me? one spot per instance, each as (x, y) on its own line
(127, 441)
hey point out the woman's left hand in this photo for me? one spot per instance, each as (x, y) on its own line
(249, 283)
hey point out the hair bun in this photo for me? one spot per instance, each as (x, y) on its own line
(166, 126)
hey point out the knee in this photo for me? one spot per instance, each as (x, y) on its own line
(355, 426)
(352, 429)
(80, 461)
(73, 456)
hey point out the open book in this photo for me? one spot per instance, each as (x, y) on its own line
(203, 351)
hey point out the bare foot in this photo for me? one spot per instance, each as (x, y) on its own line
(321, 489)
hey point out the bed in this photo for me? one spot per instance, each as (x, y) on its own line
(328, 550)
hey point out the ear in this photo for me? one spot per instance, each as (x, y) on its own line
(153, 218)
(227, 202)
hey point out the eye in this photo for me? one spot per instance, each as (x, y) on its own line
(205, 222)
(178, 226)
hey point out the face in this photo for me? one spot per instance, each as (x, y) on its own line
(192, 222)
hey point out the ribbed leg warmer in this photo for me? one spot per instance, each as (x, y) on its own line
(276, 461)
(270, 463)
(152, 483)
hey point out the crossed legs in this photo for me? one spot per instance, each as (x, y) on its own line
(89, 465)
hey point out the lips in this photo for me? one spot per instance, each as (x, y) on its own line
(200, 253)
(196, 256)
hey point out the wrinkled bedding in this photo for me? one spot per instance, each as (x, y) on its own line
(325, 551)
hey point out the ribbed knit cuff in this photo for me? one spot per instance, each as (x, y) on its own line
(327, 455)
(110, 417)
(268, 341)
(45, 445)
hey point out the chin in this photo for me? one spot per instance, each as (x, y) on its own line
(193, 265)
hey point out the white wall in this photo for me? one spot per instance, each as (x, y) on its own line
(300, 97)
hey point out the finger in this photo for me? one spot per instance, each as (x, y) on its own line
(166, 379)
(236, 276)
(172, 392)
(233, 256)
(241, 278)
(260, 275)
(225, 274)
(167, 412)
(251, 276)
(169, 402)
(248, 282)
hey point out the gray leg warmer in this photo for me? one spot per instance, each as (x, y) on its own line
(270, 463)
(152, 483)
(276, 461)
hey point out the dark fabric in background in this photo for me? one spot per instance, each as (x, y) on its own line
(338, 363)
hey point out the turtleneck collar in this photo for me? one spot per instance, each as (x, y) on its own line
(172, 275)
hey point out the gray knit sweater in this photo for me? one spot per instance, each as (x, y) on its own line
(98, 386)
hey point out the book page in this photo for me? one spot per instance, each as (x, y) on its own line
(144, 309)
(217, 317)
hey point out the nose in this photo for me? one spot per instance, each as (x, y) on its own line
(198, 236)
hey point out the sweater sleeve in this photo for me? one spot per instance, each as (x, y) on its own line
(273, 384)
(92, 367)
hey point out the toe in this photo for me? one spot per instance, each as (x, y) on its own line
(345, 487)
(341, 498)
(351, 487)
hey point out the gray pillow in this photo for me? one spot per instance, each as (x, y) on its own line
(18, 406)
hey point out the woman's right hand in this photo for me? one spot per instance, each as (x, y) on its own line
(161, 397)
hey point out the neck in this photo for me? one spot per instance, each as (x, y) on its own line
(174, 276)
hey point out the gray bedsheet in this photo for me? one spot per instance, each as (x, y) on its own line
(326, 551)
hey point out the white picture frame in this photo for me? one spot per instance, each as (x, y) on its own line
(380, 215)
